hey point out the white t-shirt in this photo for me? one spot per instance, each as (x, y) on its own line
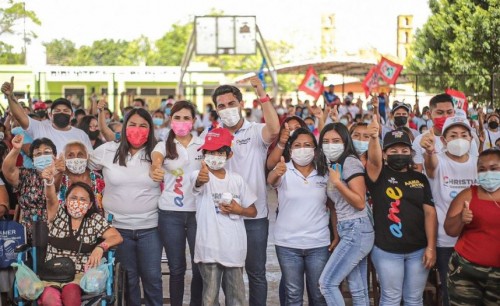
(249, 160)
(177, 193)
(38, 129)
(302, 221)
(130, 194)
(489, 135)
(219, 238)
(449, 179)
(439, 147)
(161, 133)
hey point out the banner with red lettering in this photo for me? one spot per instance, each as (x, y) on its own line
(311, 84)
(370, 83)
(459, 99)
(389, 70)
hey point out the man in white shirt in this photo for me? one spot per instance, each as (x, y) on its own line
(401, 114)
(59, 131)
(250, 144)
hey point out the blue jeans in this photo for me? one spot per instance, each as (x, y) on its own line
(140, 255)
(349, 259)
(175, 227)
(255, 263)
(400, 275)
(442, 259)
(294, 263)
(232, 282)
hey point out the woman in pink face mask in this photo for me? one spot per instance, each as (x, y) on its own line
(132, 197)
(173, 160)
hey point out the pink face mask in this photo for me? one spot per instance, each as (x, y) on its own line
(137, 136)
(181, 128)
(77, 209)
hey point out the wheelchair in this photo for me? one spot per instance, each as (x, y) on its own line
(114, 293)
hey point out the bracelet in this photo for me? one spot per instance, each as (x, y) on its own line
(264, 100)
(103, 245)
(47, 183)
(279, 146)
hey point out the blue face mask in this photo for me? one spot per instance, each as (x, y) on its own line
(42, 162)
(118, 136)
(157, 121)
(369, 107)
(360, 146)
(311, 127)
(489, 180)
(167, 111)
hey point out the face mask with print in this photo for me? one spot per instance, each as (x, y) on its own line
(360, 146)
(157, 121)
(181, 128)
(333, 151)
(303, 156)
(77, 209)
(230, 116)
(489, 180)
(43, 161)
(458, 147)
(215, 162)
(76, 165)
(137, 136)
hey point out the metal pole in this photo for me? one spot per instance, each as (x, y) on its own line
(416, 87)
(492, 90)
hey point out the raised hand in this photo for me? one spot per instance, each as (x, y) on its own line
(203, 177)
(428, 142)
(101, 104)
(375, 101)
(60, 163)
(17, 142)
(285, 135)
(257, 85)
(334, 113)
(373, 128)
(157, 174)
(280, 168)
(8, 87)
(48, 173)
(467, 213)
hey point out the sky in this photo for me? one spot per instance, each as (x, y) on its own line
(359, 23)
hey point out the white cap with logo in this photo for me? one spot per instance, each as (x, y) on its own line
(460, 118)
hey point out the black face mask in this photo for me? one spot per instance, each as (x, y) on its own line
(398, 161)
(400, 121)
(493, 125)
(93, 135)
(61, 120)
(41, 114)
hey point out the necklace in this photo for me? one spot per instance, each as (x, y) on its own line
(489, 194)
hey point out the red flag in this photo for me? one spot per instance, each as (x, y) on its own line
(311, 84)
(370, 83)
(389, 70)
(459, 99)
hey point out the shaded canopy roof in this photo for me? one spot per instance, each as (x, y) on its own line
(345, 66)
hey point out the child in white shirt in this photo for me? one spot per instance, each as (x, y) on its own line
(222, 197)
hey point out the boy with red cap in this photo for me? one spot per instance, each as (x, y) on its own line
(221, 241)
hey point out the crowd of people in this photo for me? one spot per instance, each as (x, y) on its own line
(404, 187)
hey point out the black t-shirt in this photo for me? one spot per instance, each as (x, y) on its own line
(398, 199)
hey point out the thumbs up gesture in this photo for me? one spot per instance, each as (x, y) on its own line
(467, 213)
(373, 127)
(101, 104)
(8, 87)
(285, 134)
(157, 174)
(203, 177)
(60, 163)
(280, 168)
(428, 142)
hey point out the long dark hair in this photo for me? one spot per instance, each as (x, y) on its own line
(123, 149)
(170, 147)
(93, 205)
(319, 157)
(341, 129)
(85, 123)
(288, 119)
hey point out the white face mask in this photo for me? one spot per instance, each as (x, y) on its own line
(76, 165)
(333, 150)
(2, 136)
(215, 162)
(230, 116)
(280, 111)
(303, 156)
(458, 147)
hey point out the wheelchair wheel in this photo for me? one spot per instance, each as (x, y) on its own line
(119, 285)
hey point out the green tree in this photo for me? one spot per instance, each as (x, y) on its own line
(459, 47)
(60, 52)
(170, 48)
(7, 57)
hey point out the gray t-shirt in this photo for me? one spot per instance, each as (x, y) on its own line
(351, 168)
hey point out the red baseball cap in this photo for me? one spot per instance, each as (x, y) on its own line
(216, 139)
(39, 105)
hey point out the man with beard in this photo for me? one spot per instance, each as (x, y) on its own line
(59, 131)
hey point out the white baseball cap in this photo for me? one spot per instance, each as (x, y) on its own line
(460, 118)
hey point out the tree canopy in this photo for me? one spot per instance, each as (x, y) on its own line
(459, 47)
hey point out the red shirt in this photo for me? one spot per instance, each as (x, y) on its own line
(479, 242)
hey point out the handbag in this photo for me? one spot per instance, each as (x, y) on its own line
(60, 269)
